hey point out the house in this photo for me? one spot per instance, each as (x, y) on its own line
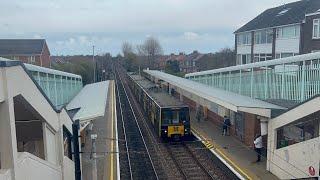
(279, 32)
(31, 51)
(189, 63)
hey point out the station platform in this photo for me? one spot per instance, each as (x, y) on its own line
(239, 156)
(97, 114)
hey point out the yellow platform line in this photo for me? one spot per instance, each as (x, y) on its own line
(112, 134)
(224, 156)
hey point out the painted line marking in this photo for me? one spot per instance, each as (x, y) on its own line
(228, 161)
(112, 134)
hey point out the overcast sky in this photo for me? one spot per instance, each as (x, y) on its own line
(73, 26)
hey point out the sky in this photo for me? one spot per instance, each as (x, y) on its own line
(73, 26)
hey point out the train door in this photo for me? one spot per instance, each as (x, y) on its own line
(239, 125)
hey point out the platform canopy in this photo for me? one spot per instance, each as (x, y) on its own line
(90, 102)
(229, 100)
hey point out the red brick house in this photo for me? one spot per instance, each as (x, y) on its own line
(32, 51)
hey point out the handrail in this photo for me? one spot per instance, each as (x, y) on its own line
(287, 60)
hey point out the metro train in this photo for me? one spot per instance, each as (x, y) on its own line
(169, 117)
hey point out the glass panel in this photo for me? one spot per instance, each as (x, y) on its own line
(263, 37)
(175, 117)
(288, 32)
(269, 36)
(166, 117)
(315, 30)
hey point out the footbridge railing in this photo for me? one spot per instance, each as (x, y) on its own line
(294, 78)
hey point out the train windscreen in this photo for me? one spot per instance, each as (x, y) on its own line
(175, 116)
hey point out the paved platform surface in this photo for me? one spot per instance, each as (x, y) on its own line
(239, 156)
(105, 144)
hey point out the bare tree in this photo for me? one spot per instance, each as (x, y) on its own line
(151, 48)
(127, 49)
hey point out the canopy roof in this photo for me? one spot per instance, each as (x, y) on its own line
(223, 98)
(90, 102)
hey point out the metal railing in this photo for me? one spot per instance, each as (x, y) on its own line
(60, 87)
(294, 78)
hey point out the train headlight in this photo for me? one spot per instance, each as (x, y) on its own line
(185, 130)
(165, 131)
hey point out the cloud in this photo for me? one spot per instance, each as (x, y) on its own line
(190, 36)
(73, 26)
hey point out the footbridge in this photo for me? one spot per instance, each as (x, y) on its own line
(294, 78)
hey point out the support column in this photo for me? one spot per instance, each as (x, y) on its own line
(8, 139)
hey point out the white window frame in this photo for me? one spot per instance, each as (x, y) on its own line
(279, 32)
(259, 33)
(266, 57)
(248, 39)
(316, 36)
(31, 59)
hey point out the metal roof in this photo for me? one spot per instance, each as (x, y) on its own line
(91, 101)
(291, 13)
(31, 67)
(21, 46)
(35, 68)
(223, 98)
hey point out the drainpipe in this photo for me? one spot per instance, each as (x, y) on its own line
(76, 153)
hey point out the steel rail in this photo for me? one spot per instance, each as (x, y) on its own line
(124, 132)
(148, 153)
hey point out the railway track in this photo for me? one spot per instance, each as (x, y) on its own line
(153, 159)
(136, 161)
(188, 164)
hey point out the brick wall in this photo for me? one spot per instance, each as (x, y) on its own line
(45, 56)
(251, 128)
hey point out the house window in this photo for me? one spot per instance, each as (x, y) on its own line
(244, 39)
(262, 57)
(31, 59)
(316, 29)
(284, 55)
(243, 59)
(263, 37)
(301, 130)
(288, 32)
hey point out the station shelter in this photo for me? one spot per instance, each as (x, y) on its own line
(248, 116)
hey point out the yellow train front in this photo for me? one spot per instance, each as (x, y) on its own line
(175, 122)
(170, 117)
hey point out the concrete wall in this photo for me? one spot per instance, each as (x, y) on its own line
(23, 165)
(32, 167)
(293, 161)
(68, 169)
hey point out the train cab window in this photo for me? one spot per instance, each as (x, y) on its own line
(184, 114)
(175, 117)
(166, 117)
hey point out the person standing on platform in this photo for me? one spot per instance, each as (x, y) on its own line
(258, 146)
(226, 126)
